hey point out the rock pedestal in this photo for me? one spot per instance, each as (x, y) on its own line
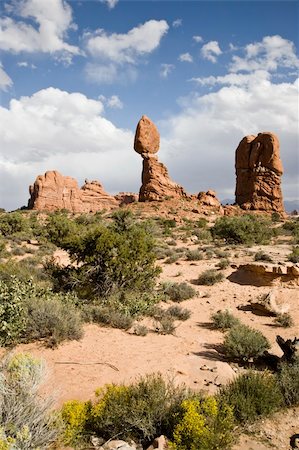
(259, 170)
(156, 183)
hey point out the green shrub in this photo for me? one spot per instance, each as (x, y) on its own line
(25, 418)
(203, 235)
(177, 292)
(140, 411)
(210, 277)
(243, 342)
(59, 228)
(223, 320)
(247, 229)
(174, 257)
(12, 223)
(194, 255)
(252, 396)
(52, 318)
(179, 313)
(288, 380)
(166, 325)
(12, 310)
(74, 415)
(294, 256)
(201, 223)
(293, 227)
(106, 315)
(204, 424)
(284, 320)
(262, 256)
(108, 259)
(140, 330)
(223, 264)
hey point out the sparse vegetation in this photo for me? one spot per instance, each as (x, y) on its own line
(194, 255)
(294, 256)
(243, 343)
(247, 229)
(252, 395)
(262, 256)
(284, 320)
(288, 380)
(177, 292)
(223, 264)
(224, 320)
(179, 313)
(210, 277)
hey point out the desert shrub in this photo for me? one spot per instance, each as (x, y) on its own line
(223, 264)
(203, 423)
(252, 395)
(275, 217)
(23, 270)
(292, 226)
(107, 259)
(12, 223)
(74, 415)
(141, 411)
(203, 235)
(172, 243)
(262, 256)
(201, 223)
(177, 292)
(243, 342)
(140, 330)
(194, 255)
(59, 228)
(247, 229)
(166, 325)
(2, 246)
(174, 257)
(179, 313)
(223, 320)
(288, 381)
(284, 320)
(294, 256)
(105, 315)
(12, 311)
(52, 318)
(210, 277)
(25, 418)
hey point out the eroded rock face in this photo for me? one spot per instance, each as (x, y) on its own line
(209, 198)
(259, 170)
(53, 191)
(156, 183)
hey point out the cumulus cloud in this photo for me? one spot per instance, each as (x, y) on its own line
(113, 102)
(116, 56)
(126, 48)
(210, 51)
(185, 57)
(52, 20)
(269, 54)
(54, 129)
(166, 70)
(199, 143)
(236, 79)
(5, 80)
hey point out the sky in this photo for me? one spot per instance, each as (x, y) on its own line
(76, 77)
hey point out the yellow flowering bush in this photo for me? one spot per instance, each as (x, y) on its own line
(203, 424)
(74, 415)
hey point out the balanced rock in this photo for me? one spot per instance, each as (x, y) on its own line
(259, 170)
(147, 137)
(156, 183)
(53, 191)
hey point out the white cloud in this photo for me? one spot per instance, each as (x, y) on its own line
(234, 79)
(166, 69)
(5, 80)
(210, 51)
(177, 23)
(197, 39)
(110, 3)
(269, 54)
(26, 64)
(185, 57)
(115, 102)
(110, 73)
(126, 48)
(53, 19)
(54, 129)
(198, 144)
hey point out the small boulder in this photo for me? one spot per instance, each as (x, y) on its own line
(269, 304)
(159, 443)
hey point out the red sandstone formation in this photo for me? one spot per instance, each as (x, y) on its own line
(259, 170)
(156, 183)
(210, 199)
(52, 191)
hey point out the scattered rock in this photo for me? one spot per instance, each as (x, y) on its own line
(259, 170)
(125, 198)
(210, 199)
(159, 443)
(118, 445)
(269, 304)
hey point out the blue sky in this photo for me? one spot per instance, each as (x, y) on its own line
(76, 76)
